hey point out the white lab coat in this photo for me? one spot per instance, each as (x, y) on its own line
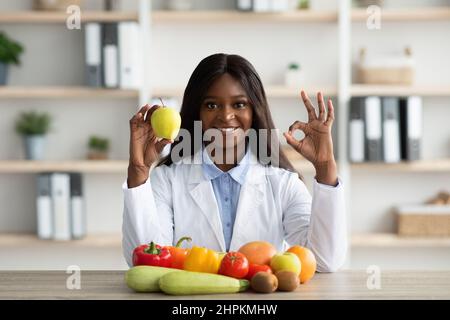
(274, 205)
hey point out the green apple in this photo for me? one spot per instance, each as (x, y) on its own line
(166, 123)
(287, 261)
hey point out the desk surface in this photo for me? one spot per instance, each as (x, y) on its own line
(339, 285)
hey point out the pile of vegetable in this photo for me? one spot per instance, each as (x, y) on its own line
(178, 271)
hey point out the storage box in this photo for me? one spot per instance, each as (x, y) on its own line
(386, 69)
(424, 220)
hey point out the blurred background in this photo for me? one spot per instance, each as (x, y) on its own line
(72, 74)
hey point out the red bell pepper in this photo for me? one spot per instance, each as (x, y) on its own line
(178, 254)
(152, 255)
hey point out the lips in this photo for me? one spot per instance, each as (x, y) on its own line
(227, 130)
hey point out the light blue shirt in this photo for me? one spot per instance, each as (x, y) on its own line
(227, 187)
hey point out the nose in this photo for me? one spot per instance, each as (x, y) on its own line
(227, 113)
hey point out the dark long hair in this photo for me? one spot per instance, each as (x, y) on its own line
(208, 70)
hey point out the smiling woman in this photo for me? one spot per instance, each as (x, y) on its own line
(223, 205)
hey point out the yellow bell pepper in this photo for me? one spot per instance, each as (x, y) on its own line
(202, 260)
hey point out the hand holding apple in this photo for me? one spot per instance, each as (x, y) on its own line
(166, 123)
(144, 145)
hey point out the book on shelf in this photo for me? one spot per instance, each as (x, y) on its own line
(60, 206)
(391, 130)
(411, 127)
(373, 129)
(93, 54)
(113, 56)
(356, 130)
(385, 129)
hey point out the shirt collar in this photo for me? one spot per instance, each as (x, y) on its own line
(238, 173)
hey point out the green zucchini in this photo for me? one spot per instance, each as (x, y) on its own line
(145, 278)
(187, 282)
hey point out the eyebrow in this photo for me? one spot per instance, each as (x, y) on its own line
(237, 96)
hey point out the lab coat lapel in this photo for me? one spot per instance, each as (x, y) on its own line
(203, 195)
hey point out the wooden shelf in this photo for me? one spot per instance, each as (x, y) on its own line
(79, 92)
(383, 240)
(399, 15)
(195, 16)
(61, 16)
(64, 92)
(421, 166)
(271, 91)
(360, 90)
(226, 16)
(29, 240)
(85, 166)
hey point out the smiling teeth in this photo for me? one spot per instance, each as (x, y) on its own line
(227, 129)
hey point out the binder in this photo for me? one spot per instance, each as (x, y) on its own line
(60, 190)
(44, 207)
(77, 208)
(356, 130)
(411, 127)
(262, 5)
(244, 5)
(93, 54)
(391, 130)
(130, 55)
(110, 55)
(373, 143)
(280, 5)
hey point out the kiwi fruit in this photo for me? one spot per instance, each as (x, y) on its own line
(264, 282)
(287, 280)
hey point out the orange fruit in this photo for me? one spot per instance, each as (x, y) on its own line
(258, 252)
(308, 261)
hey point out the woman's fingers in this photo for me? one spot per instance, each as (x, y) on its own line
(294, 143)
(330, 117)
(297, 125)
(161, 144)
(309, 107)
(150, 112)
(321, 106)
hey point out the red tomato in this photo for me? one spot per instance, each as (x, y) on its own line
(234, 264)
(255, 268)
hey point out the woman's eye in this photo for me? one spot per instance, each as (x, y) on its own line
(241, 105)
(211, 105)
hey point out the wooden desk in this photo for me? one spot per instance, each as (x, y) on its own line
(340, 285)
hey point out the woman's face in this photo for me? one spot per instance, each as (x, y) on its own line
(226, 109)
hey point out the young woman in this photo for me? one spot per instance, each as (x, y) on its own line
(224, 204)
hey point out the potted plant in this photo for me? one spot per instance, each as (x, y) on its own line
(9, 54)
(33, 126)
(98, 148)
(294, 75)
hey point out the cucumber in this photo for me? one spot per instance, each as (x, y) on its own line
(145, 278)
(187, 282)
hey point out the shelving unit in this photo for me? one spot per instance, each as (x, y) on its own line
(406, 15)
(65, 92)
(420, 166)
(391, 240)
(172, 16)
(344, 90)
(92, 166)
(360, 90)
(25, 17)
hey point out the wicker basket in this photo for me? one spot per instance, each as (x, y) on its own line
(55, 5)
(424, 220)
(388, 70)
